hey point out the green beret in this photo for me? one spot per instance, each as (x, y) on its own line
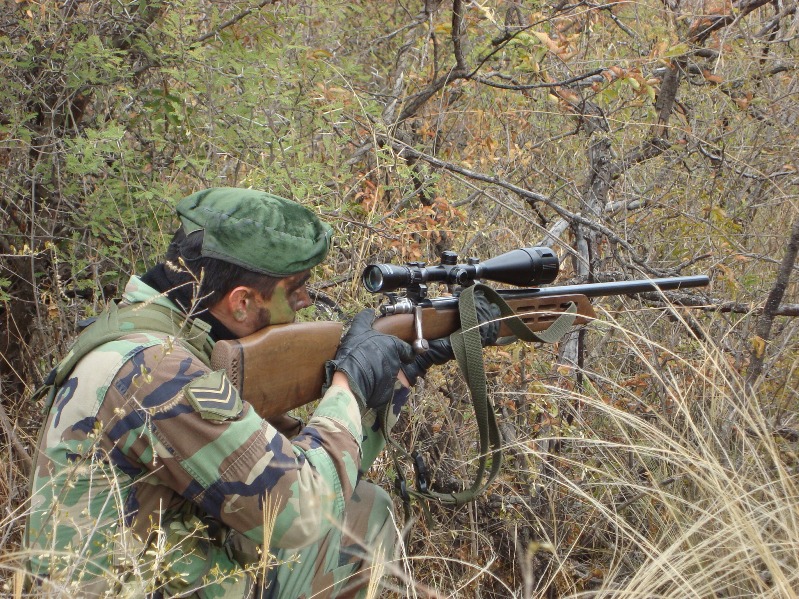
(257, 230)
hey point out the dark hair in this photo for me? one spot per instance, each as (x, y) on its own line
(185, 267)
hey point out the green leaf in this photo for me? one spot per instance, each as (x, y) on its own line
(677, 50)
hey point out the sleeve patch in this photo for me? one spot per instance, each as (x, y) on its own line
(214, 397)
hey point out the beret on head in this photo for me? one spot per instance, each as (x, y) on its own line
(256, 230)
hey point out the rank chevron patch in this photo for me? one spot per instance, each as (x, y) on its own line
(213, 396)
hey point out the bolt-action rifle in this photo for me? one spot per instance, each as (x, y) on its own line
(281, 367)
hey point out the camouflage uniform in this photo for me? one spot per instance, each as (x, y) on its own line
(154, 477)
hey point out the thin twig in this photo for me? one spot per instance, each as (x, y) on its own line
(233, 21)
(522, 87)
(11, 434)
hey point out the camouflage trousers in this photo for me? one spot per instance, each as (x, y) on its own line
(348, 562)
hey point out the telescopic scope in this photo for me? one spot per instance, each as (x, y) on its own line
(525, 267)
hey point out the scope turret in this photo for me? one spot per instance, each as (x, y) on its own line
(525, 267)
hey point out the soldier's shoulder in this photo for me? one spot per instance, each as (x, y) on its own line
(214, 397)
(127, 346)
(151, 354)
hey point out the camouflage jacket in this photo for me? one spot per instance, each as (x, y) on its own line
(143, 432)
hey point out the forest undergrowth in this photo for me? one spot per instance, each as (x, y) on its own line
(675, 480)
(650, 453)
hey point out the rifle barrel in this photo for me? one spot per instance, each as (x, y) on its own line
(595, 289)
(624, 287)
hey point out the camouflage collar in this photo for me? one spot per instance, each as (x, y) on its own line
(137, 292)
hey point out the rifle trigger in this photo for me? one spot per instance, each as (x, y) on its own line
(420, 344)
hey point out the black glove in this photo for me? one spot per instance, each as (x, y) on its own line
(371, 361)
(440, 351)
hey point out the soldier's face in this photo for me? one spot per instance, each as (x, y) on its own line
(289, 296)
(244, 310)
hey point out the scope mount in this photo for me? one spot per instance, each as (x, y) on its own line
(417, 290)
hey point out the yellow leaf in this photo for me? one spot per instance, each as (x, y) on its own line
(546, 40)
(537, 388)
(537, 546)
(718, 213)
(319, 53)
(145, 374)
(488, 13)
(758, 345)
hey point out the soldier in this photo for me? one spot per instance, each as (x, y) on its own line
(152, 474)
(154, 477)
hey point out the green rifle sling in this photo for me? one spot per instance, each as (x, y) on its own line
(467, 346)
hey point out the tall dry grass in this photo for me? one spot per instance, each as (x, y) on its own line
(710, 506)
(664, 476)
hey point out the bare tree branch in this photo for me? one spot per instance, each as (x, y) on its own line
(711, 23)
(773, 302)
(522, 87)
(232, 21)
(530, 197)
(457, 35)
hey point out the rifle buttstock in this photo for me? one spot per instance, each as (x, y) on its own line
(281, 367)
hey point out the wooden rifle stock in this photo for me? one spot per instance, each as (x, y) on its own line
(281, 367)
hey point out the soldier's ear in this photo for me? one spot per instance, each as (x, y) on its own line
(236, 302)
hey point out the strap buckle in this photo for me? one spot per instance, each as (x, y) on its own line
(422, 473)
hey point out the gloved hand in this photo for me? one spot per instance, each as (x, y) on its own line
(371, 361)
(440, 351)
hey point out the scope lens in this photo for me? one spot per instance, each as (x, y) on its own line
(373, 278)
